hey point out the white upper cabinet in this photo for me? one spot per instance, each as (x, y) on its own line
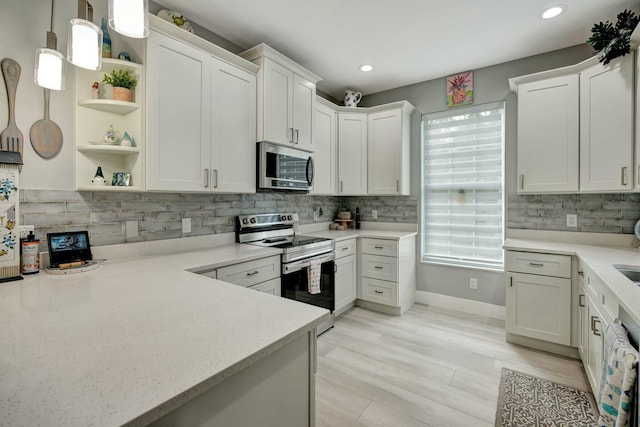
(202, 120)
(286, 98)
(548, 136)
(325, 152)
(352, 154)
(575, 128)
(389, 151)
(606, 126)
(178, 117)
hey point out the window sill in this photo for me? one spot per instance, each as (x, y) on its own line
(498, 269)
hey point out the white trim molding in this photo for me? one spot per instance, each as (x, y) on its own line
(461, 304)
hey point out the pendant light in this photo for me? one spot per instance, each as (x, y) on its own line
(49, 69)
(130, 17)
(85, 39)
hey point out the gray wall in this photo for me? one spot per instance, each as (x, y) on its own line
(490, 84)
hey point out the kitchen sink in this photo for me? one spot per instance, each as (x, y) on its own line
(631, 272)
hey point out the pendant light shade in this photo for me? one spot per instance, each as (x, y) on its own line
(84, 48)
(130, 17)
(49, 68)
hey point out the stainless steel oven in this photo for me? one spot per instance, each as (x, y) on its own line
(284, 168)
(278, 230)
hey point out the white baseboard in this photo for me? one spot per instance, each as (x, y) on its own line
(461, 304)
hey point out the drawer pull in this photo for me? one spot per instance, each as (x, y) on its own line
(377, 267)
(345, 248)
(253, 273)
(536, 264)
(594, 320)
(378, 247)
(581, 273)
(378, 292)
(581, 301)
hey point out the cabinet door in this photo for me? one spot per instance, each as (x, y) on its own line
(539, 307)
(583, 325)
(178, 115)
(595, 347)
(606, 126)
(352, 153)
(346, 281)
(233, 129)
(548, 141)
(385, 152)
(324, 155)
(304, 105)
(272, 287)
(277, 110)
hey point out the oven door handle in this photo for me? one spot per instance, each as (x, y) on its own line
(299, 265)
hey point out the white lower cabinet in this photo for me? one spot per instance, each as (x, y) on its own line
(346, 275)
(260, 274)
(539, 306)
(387, 274)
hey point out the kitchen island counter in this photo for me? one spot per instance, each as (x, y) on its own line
(135, 339)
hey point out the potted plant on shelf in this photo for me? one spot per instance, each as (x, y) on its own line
(123, 82)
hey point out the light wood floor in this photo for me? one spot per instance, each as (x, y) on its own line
(429, 367)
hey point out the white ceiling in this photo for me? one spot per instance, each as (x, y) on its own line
(407, 41)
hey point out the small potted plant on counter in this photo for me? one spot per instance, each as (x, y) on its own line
(123, 82)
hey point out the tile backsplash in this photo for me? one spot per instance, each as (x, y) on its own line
(597, 213)
(159, 215)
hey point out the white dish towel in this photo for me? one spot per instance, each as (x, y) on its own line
(621, 367)
(313, 276)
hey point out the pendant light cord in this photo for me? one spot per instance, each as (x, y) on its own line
(52, 9)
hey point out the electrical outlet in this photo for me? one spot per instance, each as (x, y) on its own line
(473, 283)
(374, 214)
(131, 229)
(24, 230)
(186, 225)
(316, 214)
(572, 220)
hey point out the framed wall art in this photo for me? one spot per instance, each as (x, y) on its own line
(460, 89)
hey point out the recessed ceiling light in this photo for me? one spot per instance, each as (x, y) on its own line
(553, 11)
(366, 68)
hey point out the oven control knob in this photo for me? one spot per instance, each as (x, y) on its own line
(284, 218)
(289, 217)
(253, 220)
(245, 221)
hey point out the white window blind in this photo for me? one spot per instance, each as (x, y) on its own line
(463, 186)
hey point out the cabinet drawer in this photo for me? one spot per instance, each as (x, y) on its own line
(380, 267)
(609, 305)
(380, 247)
(251, 272)
(541, 264)
(272, 287)
(380, 291)
(345, 248)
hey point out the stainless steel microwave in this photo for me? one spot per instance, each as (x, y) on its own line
(284, 168)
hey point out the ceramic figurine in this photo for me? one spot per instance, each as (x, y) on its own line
(351, 98)
(124, 56)
(110, 136)
(98, 179)
(95, 90)
(127, 140)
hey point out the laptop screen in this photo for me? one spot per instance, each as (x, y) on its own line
(70, 246)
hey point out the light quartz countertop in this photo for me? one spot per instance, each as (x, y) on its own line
(134, 339)
(339, 235)
(600, 260)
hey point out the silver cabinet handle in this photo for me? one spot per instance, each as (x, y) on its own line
(377, 267)
(215, 175)
(581, 300)
(253, 273)
(522, 181)
(378, 292)
(345, 248)
(638, 174)
(581, 273)
(297, 136)
(378, 247)
(594, 328)
(511, 281)
(291, 135)
(341, 186)
(623, 175)
(206, 178)
(536, 264)
(397, 185)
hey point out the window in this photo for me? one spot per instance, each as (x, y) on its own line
(462, 217)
